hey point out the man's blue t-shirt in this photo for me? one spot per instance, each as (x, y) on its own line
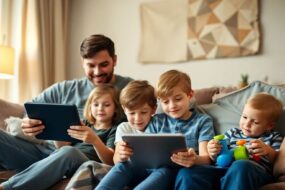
(74, 92)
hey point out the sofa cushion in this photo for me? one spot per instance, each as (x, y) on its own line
(226, 110)
(9, 109)
(222, 118)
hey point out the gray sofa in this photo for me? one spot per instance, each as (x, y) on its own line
(224, 105)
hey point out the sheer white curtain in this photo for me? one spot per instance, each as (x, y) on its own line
(5, 40)
(39, 36)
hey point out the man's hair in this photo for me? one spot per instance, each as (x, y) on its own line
(96, 43)
(103, 89)
(268, 103)
(136, 93)
(171, 79)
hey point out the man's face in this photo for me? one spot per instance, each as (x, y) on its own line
(100, 68)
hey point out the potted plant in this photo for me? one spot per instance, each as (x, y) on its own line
(244, 80)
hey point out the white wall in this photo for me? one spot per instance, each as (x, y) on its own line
(119, 19)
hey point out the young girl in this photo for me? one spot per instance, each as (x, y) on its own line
(102, 111)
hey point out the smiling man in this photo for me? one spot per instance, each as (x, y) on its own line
(98, 60)
(45, 161)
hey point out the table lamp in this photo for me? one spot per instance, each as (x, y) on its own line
(6, 62)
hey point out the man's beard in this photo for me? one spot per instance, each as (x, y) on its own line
(107, 78)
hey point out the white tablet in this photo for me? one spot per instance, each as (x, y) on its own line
(154, 150)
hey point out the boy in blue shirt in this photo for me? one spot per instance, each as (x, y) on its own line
(174, 92)
(258, 118)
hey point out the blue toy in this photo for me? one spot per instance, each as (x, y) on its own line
(225, 157)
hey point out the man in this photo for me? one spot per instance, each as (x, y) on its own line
(36, 162)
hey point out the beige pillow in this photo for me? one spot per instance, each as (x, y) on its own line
(204, 95)
(223, 91)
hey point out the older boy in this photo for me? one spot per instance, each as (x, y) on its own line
(258, 118)
(174, 91)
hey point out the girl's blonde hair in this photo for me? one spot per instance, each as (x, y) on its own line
(171, 79)
(97, 92)
(267, 103)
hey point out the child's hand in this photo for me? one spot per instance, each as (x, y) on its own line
(83, 133)
(258, 147)
(186, 159)
(123, 151)
(214, 148)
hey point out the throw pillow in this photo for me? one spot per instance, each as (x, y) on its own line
(223, 91)
(204, 95)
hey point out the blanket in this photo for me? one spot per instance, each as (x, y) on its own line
(87, 176)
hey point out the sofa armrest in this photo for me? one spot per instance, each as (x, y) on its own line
(8, 109)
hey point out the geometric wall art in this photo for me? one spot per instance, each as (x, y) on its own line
(223, 28)
(181, 30)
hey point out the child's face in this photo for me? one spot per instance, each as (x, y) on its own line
(177, 104)
(253, 122)
(139, 117)
(103, 109)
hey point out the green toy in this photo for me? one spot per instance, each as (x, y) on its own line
(240, 152)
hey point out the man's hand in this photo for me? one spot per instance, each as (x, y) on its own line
(32, 127)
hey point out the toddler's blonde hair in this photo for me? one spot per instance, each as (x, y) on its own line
(267, 103)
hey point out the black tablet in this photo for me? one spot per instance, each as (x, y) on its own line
(57, 118)
(154, 150)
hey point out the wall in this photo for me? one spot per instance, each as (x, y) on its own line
(119, 19)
